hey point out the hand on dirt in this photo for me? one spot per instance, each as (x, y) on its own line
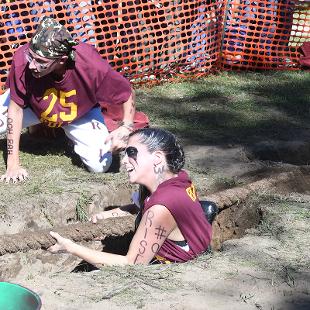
(98, 216)
(14, 175)
(118, 138)
(61, 245)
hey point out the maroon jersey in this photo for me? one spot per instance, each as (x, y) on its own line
(178, 195)
(88, 81)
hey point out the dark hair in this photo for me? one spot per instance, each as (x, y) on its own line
(157, 139)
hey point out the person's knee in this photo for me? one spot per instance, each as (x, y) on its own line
(2, 128)
(100, 166)
(3, 123)
(4, 102)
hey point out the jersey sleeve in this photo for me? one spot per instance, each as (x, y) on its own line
(16, 80)
(114, 88)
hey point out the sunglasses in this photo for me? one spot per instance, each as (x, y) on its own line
(39, 65)
(131, 152)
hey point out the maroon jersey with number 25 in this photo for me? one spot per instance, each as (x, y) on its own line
(88, 81)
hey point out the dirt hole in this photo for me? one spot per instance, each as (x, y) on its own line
(231, 222)
(290, 152)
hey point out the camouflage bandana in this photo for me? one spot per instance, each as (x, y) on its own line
(52, 40)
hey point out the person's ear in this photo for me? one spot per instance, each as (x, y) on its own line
(63, 60)
(159, 157)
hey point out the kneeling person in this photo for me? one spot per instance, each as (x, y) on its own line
(59, 82)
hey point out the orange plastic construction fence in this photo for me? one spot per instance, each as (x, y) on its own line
(265, 34)
(153, 40)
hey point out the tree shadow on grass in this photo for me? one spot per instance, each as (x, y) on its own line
(290, 280)
(40, 146)
(213, 116)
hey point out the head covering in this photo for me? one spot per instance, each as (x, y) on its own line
(52, 40)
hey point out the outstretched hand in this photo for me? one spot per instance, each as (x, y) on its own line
(97, 217)
(118, 138)
(62, 244)
(14, 175)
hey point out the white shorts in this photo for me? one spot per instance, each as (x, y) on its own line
(88, 134)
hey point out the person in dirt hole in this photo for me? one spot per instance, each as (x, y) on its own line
(171, 225)
(59, 82)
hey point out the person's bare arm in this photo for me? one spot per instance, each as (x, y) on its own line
(129, 109)
(14, 172)
(116, 212)
(119, 136)
(154, 228)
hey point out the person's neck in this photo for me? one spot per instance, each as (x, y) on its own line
(160, 179)
(59, 72)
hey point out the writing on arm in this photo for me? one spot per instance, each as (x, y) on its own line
(155, 226)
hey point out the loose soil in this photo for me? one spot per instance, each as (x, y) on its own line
(264, 265)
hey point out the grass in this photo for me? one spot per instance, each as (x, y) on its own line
(82, 207)
(223, 109)
(221, 183)
(269, 227)
(277, 211)
(128, 285)
(240, 107)
(285, 219)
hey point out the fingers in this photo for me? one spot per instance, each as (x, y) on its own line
(96, 217)
(54, 248)
(24, 176)
(55, 235)
(118, 138)
(20, 177)
(14, 178)
(109, 139)
(117, 145)
(120, 145)
(60, 246)
(93, 219)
